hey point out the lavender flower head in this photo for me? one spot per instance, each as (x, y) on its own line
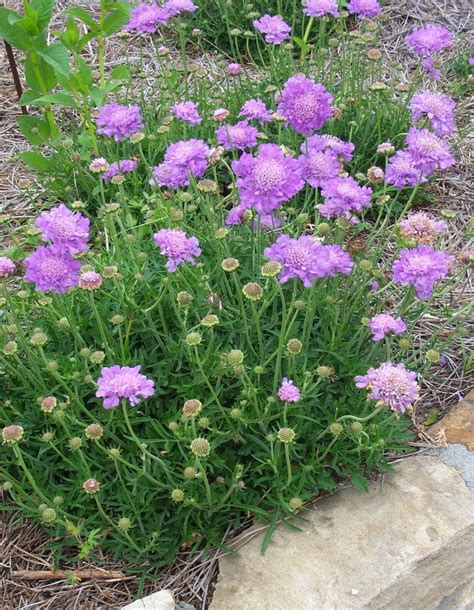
(305, 259)
(116, 382)
(238, 136)
(305, 105)
(364, 9)
(234, 69)
(66, 230)
(52, 270)
(317, 143)
(401, 171)
(146, 17)
(428, 152)
(320, 166)
(256, 109)
(118, 121)
(391, 385)
(121, 167)
(7, 266)
(429, 39)
(422, 227)
(177, 247)
(339, 260)
(343, 196)
(187, 111)
(267, 180)
(320, 8)
(421, 268)
(439, 108)
(288, 392)
(176, 7)
(182, 159)
(273, 28)
(383, 323)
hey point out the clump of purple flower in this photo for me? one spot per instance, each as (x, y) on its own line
(318, 143)
(428, 152)
(52, 270)
(429, 39)
(288, 392)
(306, 259)
(273, 28)
(320, 166)
(182, 159)
(342, 197)
(177, 247)
(145, 18)
(66, 230)
(116, 382)
(383, 323)
(121, 167)
(319, 8)
(304, 104)
(187, 111)
(401, 171)
(118, 121)
(256, 110)
(364, 9)
(392, 385)
(439, 108)
(176, 7)
(7, 266)
(421, 268)
(422, 227)
(238, 136)
(268, 179)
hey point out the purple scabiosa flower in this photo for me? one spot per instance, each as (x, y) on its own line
(234, 217)
(339, 260)
(7, 266)
(429, 39)
(364, 9)
(383, 323)
(266, 222)
(288, 392)
(401, 171)
(439, 108)
(304, 258)
(392, 385)
(273, 28)
(177, 247)
(52, 270)
(90, 280)
(268, 179)
(176, 7)
(234, 69)
(305, 105)
(430, 66)
(256, 109)
(317, 143)
(238, 136)
(182, 159)
(98, 165)
(374, 286)
(146, 17)
(428, 152)
(122, 167)
(319, 8)
(421, 268)
(116, 382)
(118, 121)
(187, 111)
(319, 166)
(66, 230)
(422, 227)
(343, 196)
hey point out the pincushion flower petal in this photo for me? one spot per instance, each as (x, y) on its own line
(421, 267)
(422, 227)
(343, 196)
(187, 111)
(182, 159)
(239, 136)
(65, 229)
(52, 270)
(383, 323)
(273, 28)
(437, 107)
(256, 109)
(320, 8)
(429, 39)
(7, 266)
(364, 9)
(402, 171)
(177, 247)
(121, 167)
(118, 121)
(392, 385)
(117, 382)
(428, 152)
(288, 392)
(326, 143)
(146, 17)
(305, 105)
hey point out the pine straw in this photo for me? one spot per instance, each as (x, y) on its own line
(24, 544)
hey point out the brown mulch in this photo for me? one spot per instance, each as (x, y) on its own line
(23, 544)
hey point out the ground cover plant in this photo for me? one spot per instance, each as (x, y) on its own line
(214, 315)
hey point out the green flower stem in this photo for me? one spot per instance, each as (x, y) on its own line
(115, 526)
(130, 501)
(210, 386)
(374, 413)
(202, 470)
(29, 476)
(305, 39)
(288, 465)
(99, 320)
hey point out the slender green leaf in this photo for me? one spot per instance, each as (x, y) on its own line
(360, 482)
(58, 98)
(84, 16)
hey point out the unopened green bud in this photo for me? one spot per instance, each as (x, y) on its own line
(295, 503)
(193, 339)
(173, 426)
(124, 524)
(235, 413)
(336, 429)
(294, 346)
(190, 472)
(357, 428)
(177, 495)
(235, 357)
(200, 447)
(48, 515)
(75, 443)
(433, 356)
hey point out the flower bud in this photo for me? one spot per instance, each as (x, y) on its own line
(117, 320)
(58, 500)
(91, 486)
(12, 434)
(295, 503)
(336, 429)
(177, 495)
(356, 428)
(191, 408)
(376, 175)
(404, 344)
(259, 370)
(48, 516)
(432, 356)
(75, 443)
(270, 269)
(235, 357)
(48, 404)
(124, 524)
(189, 472)
(173, 426)
(94, 431)
(286, 435)
(230, 264)
(184, 298)
(10, 348)
(47, 437)
(200, 447)
(204, 422)
(325, 372)
(299, 304)
(110, 271)
(97, 357)
(235, 413)
(252, 291)
(294, 347)
(193, 339)
(39, 339)
(209, 321)
(365, 265)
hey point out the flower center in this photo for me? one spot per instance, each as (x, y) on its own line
(298, 256)
(268, 174)
(306, 106)
(54, 268)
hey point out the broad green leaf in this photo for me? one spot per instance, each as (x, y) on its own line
(56, 55)
(35, 130)
(44, 10)
(58, 98)
(360, 482)
(49, 80)
(35, 160)
(28, 97)
(120, 73)
(304, 46)
(115, 20)
(432, 417)
(12, 33)
(85, 17)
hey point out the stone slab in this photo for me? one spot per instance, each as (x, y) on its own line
(458, 457)
(406, 544)
(458, 424)
(161, 600)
